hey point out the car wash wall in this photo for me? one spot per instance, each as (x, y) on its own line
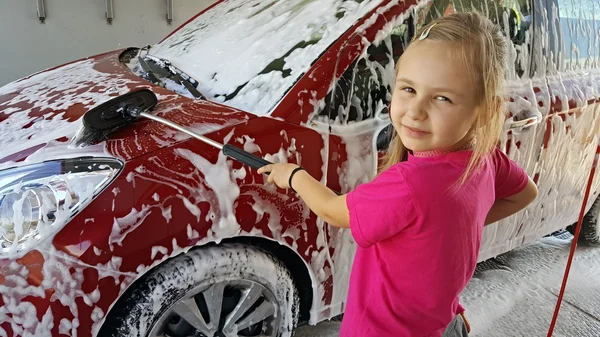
(38, 34)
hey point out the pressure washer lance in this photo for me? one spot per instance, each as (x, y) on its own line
(228, 149)
(121, 111)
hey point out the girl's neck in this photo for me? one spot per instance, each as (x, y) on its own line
(434, 153)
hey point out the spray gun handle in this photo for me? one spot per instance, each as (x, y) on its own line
(244, 157)
(248, 158)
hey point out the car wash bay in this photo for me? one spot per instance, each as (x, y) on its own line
(515, 293)
(156, 210)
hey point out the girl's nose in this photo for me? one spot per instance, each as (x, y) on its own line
(416, 110)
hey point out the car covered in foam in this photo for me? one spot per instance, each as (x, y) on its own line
(150, 232)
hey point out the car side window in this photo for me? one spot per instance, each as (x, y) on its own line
(365, 88)
(579, 26)
(513, 16)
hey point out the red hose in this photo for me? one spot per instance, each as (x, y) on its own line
(574, 244)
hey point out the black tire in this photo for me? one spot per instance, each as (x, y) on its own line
(157, 292)
(590, 228)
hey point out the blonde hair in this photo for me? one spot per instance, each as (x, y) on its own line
(484, 50)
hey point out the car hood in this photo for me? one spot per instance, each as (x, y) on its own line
(41, 114)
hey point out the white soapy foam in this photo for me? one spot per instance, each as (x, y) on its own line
(562, 166)
(344, 249)
(262, 206)
(158, 249)
(97, 315)
(360, 167)
(142, 173)
(52, 91)
(319, 256)
(260, 212)
(223, 182)
(528, 274)
(166, 213)
(195, 210)
(95, 295)
(250, 146)
(127, 224)
(576, 132)
(192, 234)
(65, 327)
(282, 156)
(18, 217)
(97, 251)
(63, 277)
(237, 32)
(131, 178)
(361, 164)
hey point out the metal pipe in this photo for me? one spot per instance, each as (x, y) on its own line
(41, 10)
(169, 11)
(110, 13)
(182, 129)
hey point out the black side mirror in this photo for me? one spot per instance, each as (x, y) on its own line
(384, 137)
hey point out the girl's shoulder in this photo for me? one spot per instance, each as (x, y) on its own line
(394, 172)
(401, 170)
(403, 173)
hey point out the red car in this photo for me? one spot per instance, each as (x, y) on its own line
(153, 233)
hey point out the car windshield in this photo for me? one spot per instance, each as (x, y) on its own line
(248, 54)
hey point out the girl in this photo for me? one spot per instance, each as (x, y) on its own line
(418, 224)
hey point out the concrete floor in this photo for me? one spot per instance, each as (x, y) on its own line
(515, 294)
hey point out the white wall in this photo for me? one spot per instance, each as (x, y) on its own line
(78, 28)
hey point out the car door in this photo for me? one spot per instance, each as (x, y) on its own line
(572, 128)
(353, 114)
(524, 23)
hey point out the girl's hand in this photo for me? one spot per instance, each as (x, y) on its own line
(279, 173)
(319, 198)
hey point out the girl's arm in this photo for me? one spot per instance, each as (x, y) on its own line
(506, 207)
(320, 199)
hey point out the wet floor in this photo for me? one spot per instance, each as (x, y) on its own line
(515, 294)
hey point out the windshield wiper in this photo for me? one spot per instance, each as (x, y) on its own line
(154, 66)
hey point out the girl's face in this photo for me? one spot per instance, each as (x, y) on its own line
(434, 104)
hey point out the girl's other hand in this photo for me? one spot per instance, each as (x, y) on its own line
(279, 173)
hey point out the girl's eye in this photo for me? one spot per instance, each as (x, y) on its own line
(443, 99)
(409, 90)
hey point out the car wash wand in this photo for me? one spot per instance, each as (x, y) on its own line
(121, 111)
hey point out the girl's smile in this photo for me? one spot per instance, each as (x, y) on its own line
(414, 132)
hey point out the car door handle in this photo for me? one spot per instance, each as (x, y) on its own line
(525, 123)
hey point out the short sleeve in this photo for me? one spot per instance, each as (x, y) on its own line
(510, 178)
(381, 208)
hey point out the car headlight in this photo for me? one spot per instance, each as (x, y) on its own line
(38, 200)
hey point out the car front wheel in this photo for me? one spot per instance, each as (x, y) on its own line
(218, 291)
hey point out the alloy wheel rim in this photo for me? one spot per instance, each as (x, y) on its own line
(236, 308)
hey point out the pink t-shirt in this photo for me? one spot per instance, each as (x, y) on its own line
(418, 238)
